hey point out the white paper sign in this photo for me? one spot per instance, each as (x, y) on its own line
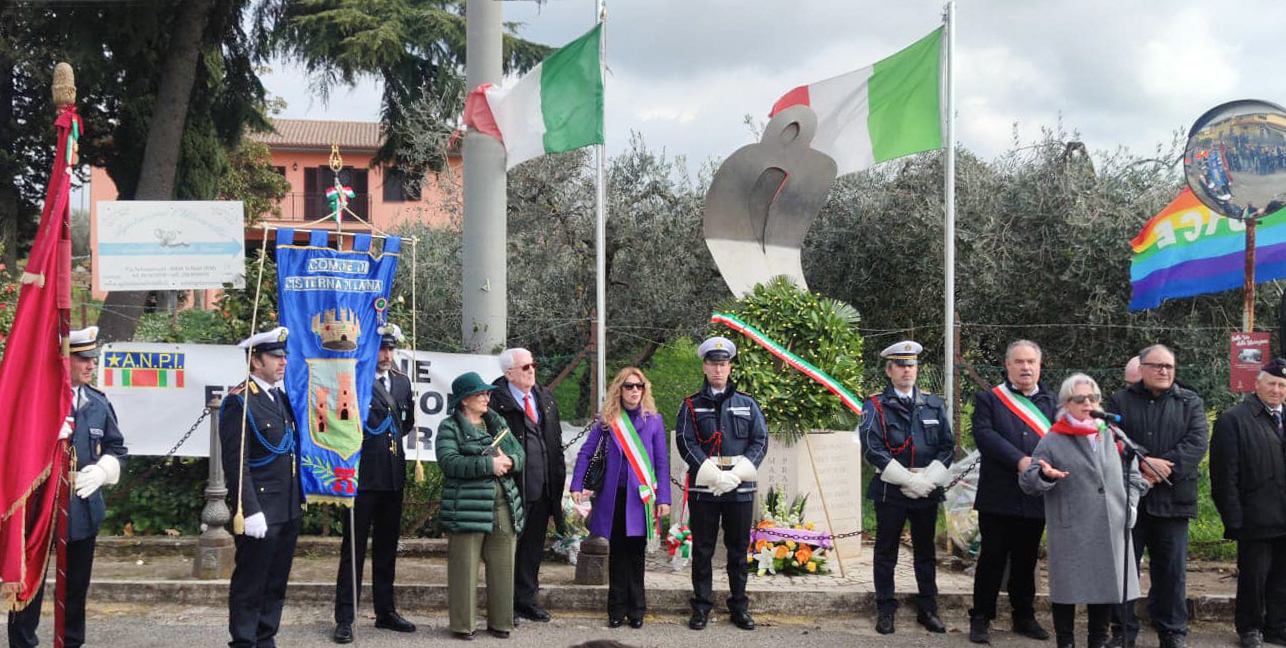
(169, 245)
(159, 390)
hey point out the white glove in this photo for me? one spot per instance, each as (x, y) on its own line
(90, 479)
(257, 525)
(726, 483)
(708, 474)
(919, 487)
(67, 428)
(937, 474)
(745, 470)
(895, 473)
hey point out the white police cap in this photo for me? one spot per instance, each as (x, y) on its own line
(272, 342)
(717, 348)
(903, 353)
(84, 342)
(391, 335)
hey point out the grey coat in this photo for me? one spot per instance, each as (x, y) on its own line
(1085, 516)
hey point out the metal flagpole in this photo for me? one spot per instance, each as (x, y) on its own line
(949, 226)
(600, 235)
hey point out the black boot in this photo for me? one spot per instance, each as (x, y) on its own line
(979, 629)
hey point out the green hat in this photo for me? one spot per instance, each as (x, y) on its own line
(466, 384)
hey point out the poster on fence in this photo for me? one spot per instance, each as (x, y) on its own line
(160, 390)
(169, 245)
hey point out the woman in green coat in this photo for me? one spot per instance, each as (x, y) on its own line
(482, 510)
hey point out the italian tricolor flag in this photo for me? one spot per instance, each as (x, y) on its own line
(879, 113)
(556, 107)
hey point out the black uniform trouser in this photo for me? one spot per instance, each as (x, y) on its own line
(1166, 540)
(889, 520)
(1007, 540)
(625, 595)
(531, 549)
(1065, 622)
(258, 590)
(1261, 585)
(22, 624)
(704, 523)
(378, 515)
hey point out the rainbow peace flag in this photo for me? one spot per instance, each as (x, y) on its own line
(1188, 250)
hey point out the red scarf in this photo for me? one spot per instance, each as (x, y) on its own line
(1065, 425)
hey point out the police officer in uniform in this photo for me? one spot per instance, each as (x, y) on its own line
(906, 435)
(264, 487)
(723, 438)
(100, 450)
(378, 509)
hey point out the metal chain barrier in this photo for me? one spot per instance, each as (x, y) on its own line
(123, 489)
(580, 435)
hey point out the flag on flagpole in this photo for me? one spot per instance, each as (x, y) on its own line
(556, 107)
(879, 113)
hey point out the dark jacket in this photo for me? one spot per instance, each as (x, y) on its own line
(271, 477)
(390, 418)
(468, 484)
(550, 429)
(1248, 472)
(95, 435)
(1172, 426)
(741, 428)
(885, 430)
(1003, 439)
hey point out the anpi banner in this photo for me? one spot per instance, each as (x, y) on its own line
(160, 390)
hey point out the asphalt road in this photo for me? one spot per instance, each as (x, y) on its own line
(191, 627)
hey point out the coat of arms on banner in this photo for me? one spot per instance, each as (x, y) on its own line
(331, 374)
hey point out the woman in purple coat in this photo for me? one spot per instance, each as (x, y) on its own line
(634, 430)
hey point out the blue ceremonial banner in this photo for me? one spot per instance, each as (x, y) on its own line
(327, 299)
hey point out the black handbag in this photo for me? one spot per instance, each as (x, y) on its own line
(597, 467)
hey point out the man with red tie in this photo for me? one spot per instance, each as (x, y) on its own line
(532, 415)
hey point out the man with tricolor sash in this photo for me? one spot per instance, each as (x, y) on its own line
(1008, 421)
(722, 435)
(906, 435)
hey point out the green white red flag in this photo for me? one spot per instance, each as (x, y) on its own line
(556, 107)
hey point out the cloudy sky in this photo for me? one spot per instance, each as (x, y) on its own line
(684, 73)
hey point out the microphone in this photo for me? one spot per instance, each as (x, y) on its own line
(1110, 418)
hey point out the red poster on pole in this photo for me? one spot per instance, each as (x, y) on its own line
(1249, 354)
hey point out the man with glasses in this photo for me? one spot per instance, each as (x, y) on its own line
(1169, 422)
(906, 435)
(722, 436)
(531, 413)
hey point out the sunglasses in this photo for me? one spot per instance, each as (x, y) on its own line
(1081, 398)
(633, 385)
(530, 366)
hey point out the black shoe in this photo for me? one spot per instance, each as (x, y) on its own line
(742, 620)
(1173, 640)
(698, 620)
(1031, 629)
(343, 633)
(394, 621)
(467, 636)
(615, 622)
(930, 621)
(979, 629)
(499, 634)
(1277, 637)
(532, 613)
(1119, 641)
(1065, 643)
(636, 622)
(884, 624)
(1252, 639)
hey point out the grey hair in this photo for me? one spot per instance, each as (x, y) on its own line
(1147, 351)
(508, 357)
(1023, 343)
(1074, 380)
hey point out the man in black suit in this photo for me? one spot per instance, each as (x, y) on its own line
(378, 509)
(531, 413)
(258, 435)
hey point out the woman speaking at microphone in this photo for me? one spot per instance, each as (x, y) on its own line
(1088, 509)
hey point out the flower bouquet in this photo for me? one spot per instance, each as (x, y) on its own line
(784, 543)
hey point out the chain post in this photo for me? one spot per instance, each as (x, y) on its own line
(215, 549)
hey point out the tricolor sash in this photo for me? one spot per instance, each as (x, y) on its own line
(632, 446)
(1023, 408)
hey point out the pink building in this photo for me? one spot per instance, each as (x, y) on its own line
(301, 153)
